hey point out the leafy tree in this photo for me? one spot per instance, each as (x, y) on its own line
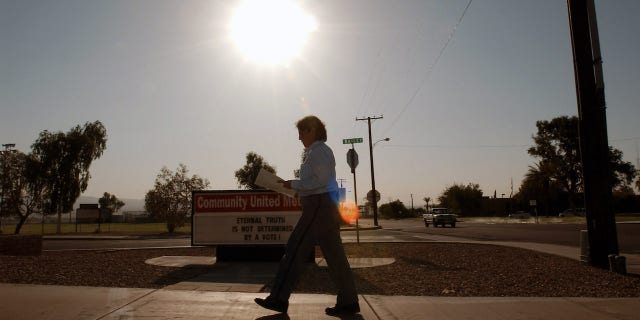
(461, 199)
(624, 200)
(158, 206)
(623, 191)
(418, 212)
(33, 190)
(557, 147)
(170, 199)
(622, 172)
(8, 173)
(249, 172)
(111, 202)
(65, 159)
(394, 210)
(22, 186)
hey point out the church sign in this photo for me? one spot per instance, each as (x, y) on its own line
(242, 217)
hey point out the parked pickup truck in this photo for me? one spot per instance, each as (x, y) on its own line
(439, 216)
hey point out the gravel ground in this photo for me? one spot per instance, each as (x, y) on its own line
(429, 269)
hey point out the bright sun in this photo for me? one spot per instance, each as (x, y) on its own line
(270, 31)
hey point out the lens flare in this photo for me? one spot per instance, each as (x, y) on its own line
(348, 211)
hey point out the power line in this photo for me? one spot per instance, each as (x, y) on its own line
(442, 146)
(375, 72)
(481, 146)
(369, 81)
(625, 139)
(431, 67)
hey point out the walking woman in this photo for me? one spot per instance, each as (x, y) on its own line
(319, 224)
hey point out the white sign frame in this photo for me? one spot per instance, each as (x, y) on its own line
(242, 217)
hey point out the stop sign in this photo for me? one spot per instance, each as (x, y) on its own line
(352, 159)
(370, 196)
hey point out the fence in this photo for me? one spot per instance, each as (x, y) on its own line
(49, 228)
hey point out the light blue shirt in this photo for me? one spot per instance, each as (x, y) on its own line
(317, 172)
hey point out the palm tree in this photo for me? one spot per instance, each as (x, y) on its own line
(540, 178)
(427, 200)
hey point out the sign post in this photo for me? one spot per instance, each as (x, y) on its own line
(532, 204)
(352, 160)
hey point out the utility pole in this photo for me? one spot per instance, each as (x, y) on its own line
(343, 196)
(373, 179)
(594, 144)
(637, 155)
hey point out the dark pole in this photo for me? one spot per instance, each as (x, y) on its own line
(355, 198)
(373, 178)
(594, 144)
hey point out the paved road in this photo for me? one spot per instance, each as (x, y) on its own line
(561, 234)
(408, 230)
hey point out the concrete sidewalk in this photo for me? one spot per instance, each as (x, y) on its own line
(58, 302)
(222, 296)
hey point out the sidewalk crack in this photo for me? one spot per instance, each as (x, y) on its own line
(127, 304)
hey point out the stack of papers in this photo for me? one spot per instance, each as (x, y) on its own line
(269, 181)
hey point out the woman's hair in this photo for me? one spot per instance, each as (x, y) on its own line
(310, 123)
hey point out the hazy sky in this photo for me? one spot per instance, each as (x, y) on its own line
(171, 87)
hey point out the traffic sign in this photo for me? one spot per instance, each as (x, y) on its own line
(370, 196)
(351, 140)
(352, 159)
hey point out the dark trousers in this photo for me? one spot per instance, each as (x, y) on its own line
(319, 223)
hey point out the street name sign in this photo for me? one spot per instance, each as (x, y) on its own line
(351, 140)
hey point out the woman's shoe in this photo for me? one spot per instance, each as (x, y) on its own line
(273, 304)
(343, 310)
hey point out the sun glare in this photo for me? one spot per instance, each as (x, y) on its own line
(348, 211)
(271, 31)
